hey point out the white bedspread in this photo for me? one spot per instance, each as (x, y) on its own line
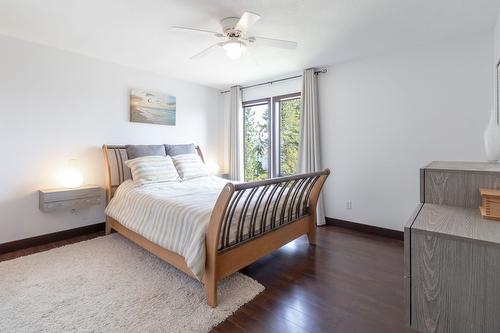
(174, 215)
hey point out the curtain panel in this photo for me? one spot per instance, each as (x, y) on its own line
(235, 136)
(309, 144)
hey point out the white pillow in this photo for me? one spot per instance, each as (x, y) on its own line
(190, 166)
(152, 169)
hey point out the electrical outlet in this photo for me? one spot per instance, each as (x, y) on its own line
(348, 204)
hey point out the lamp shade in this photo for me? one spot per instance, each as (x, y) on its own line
(234, 49)
(71, 176)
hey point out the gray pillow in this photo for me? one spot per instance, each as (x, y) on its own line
(134, 151)
(173, 150)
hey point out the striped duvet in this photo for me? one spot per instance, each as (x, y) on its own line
(174, 215)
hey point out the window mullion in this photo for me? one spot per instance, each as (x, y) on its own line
(273, 124)
(275, 137)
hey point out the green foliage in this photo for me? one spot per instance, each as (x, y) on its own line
(256, 122)
(256, 139)
(289, 135)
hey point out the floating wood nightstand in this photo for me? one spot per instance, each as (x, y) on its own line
(74, 198)
(490, 208)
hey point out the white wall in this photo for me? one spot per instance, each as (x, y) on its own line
(383, 118)
(496, 36)
(56, 105)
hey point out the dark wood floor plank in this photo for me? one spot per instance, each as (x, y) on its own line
(228, 326)
(273, 321)
(349, 282)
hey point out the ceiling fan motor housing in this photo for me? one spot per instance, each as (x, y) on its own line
(228, 26)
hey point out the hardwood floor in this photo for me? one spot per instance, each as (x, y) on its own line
(349, 282)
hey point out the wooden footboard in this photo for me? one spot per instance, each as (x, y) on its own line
(264, 216)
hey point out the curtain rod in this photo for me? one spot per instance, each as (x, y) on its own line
(320, 71)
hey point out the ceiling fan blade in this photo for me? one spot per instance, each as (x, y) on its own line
(246, 21)
(281, 43)
(205, 51)
(196, 31)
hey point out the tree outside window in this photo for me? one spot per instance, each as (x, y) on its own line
(271, 136)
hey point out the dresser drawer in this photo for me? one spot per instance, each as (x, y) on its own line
(457, 188)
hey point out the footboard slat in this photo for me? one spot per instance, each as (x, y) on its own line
(294, 199)
(285, 201)
(276, 204)
(306, 202)
(229, 217)
(263, 220)
(241, 221)
(299, 207)
(253, 218)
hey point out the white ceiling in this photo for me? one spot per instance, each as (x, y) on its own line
(136, 32)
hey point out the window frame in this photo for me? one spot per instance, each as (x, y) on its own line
(274, 138)
(258, 102)
(277, 129)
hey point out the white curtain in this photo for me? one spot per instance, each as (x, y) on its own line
(235, 134)
(309, 145)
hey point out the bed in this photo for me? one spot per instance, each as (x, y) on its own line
(209, 227)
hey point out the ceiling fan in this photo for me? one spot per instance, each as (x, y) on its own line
(235, 36)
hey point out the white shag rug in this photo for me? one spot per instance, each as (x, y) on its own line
(109, 284)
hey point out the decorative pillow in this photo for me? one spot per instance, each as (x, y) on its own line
(190, 166)
(174, 150)
(152, 169)
(134, 151)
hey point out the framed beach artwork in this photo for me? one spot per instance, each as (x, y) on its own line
(152, 108)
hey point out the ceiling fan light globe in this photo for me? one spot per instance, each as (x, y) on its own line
(234, 49)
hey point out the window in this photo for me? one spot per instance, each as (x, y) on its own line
(271, 136)
(256, 121)
(289, 126)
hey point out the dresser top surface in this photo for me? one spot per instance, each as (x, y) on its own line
(464, 166)
(457, 222)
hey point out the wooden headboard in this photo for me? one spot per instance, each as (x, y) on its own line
(116, 171)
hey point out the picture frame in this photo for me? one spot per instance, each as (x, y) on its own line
(152, 107)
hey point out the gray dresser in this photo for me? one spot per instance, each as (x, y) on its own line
(452, 255)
